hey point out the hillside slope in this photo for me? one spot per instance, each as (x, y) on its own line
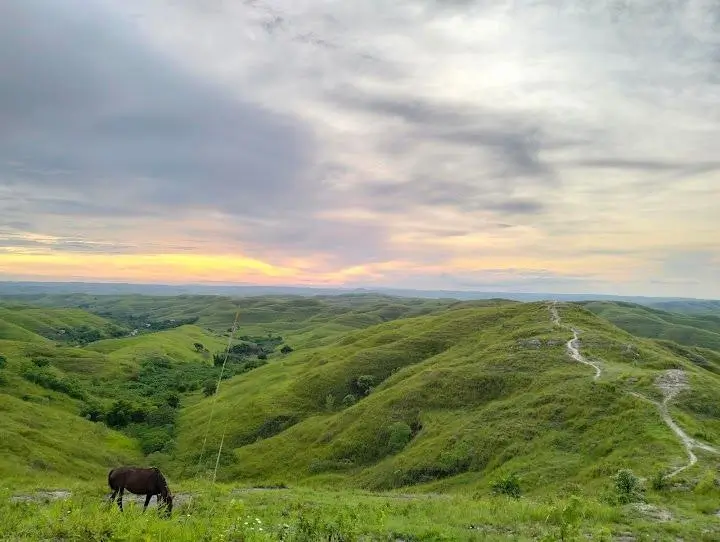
(452, 399)
(50, 382)
(308, 320)
(701, 330)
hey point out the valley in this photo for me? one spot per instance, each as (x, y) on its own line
(362, 415)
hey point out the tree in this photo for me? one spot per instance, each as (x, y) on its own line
(364, 384)
(173, 400)
(209, 388)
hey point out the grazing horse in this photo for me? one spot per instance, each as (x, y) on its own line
(140, 481)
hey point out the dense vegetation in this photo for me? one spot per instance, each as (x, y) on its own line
(470, 418)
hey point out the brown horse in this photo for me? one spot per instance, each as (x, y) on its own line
(140, 481)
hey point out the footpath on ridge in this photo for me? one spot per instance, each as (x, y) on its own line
(670, 383)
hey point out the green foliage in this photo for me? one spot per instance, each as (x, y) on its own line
(627, 487)
(3, 361)
(209, 388)
(199, 347)
(400, 434)
(349, 400)
(507, 485)
(48, 379)
(286, 349)
(707, 484)
(659, 481)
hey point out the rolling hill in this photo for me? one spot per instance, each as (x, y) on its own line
(441, 403)
(695, 329)
(452, 400)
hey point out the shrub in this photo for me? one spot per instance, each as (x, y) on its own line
(209, 388)
(173, 400)
(199, 347)
(659, 482)
(286, 349)
(41, 362)
(507, 485)
(92, 411)
(400, 434)
(364, 384)
(349, 400)
(330, 402)
(707, 483)
(627, 487)
(3, 361)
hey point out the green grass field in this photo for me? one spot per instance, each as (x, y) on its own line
(387, 419)
(699, 329)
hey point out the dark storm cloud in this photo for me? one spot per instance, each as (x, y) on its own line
(85, 107)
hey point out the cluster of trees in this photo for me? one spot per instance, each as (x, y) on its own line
(83, 335)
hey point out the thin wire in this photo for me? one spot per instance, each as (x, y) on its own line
(217, 460)
(217, 389)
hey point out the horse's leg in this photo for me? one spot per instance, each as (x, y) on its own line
(120, 497)
(147, 501)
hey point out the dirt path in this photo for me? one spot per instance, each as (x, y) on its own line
(671, 383)
(573, 345)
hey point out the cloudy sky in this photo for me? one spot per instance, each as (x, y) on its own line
(527, 145)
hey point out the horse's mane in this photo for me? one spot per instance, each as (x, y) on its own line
(161, 478)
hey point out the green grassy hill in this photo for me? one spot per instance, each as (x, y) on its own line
(696, 307)
(63, 365)
(699, 329)
(437, 404)
(456, 399)
(309, 320)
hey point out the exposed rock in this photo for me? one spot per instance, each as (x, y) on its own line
(42, 496)
(530, 343)
(653, 512)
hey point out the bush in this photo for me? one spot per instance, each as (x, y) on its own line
(508, 485)
(209, 388)
(286, 349)
(173, 400)
(400, 434)
(627, 487)
(364, 384)
(41, 362)
(3, 361)
(92, 411)
(659, 482)
(349, 400)
(707, 483)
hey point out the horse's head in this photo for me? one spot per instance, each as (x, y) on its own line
(168, 498)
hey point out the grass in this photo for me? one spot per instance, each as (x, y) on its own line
(478, 398)
(694, 329)
(391, 419)
(297, 514)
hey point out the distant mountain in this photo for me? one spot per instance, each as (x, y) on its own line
(94, 288)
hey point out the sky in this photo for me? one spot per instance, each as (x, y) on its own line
(497, 145)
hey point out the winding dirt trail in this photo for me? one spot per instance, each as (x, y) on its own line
(671, 383)
(573, 345)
